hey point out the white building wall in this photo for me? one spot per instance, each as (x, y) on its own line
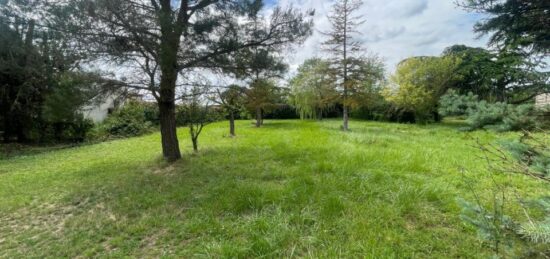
(99, 112)
(543, 100)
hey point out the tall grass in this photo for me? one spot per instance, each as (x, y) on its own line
(290, 189)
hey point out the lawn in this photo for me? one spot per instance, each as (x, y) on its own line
(291, 188)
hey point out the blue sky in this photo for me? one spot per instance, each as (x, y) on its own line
(394, 29)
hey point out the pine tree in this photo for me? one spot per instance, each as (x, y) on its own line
(342, 45)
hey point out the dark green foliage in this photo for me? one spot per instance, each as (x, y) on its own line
(282, 112)
(62, 105)
(133, 119)
(497, 76)
(382, 110)
(514, 24)
(40, 92)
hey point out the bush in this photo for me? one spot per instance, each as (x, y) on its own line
(133, 119)
(484, 115)
(282, 112)
(80, 128)
(382, 110)
(454, 104)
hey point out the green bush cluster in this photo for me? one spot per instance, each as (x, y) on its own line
(133, 119)
(376, 108)
(485, 115)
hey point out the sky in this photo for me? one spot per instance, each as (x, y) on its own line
(394, 29)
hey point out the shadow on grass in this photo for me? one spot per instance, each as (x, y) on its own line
(239, 196)
(13, 150)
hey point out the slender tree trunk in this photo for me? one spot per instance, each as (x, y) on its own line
(345, 126)
(258, 117)
(232, 124)
(195, 144)
(6, 115)
(345, 61)
(262, 117)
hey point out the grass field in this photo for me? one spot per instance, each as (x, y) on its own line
(292, 188)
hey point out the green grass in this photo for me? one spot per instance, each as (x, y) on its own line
(292, 188)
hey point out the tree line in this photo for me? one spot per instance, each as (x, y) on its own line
(167, 45)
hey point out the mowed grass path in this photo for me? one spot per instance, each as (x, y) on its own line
(291, 188)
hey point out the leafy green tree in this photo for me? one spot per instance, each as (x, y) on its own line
(262, 96)
(231, 101)
(343, 47)
(195, 114)
(170, 39)
(258, 66)
(365, 78)
(312, 89)
(514, 24)
(419, 82)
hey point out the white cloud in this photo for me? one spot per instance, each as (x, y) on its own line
(395, 29)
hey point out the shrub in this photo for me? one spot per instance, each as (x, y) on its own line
(80, 128)
(454, 104)
(384, 111)
(133, 119)
(482, 114)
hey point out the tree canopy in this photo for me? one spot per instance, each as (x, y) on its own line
(514, 24)
(503, 76)
(419, 82)
(166, 40)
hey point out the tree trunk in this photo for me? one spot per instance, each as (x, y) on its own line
(232, 124)
(168, 131)
(195, 144)
(167, 114)
(346, 119)
(262, 117)
(258, 117)
(7, 128)
(168, 63)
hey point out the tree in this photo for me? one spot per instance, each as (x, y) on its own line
(497, 76)
(514, 23)
(419, 82)
(196, 114)
(476, 68)
(259, 66)
(169, 39)
(231, 101)
(342, 46)
(261, 96)
(35, 71)
(312, 89)
(365, 75)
